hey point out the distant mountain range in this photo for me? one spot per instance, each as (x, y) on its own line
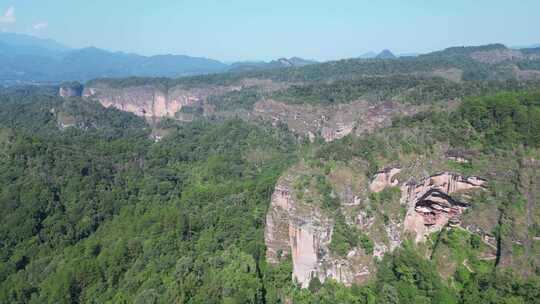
(385, 54)
(261, 65)
(26, 59)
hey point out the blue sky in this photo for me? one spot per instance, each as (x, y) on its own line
(249, 30)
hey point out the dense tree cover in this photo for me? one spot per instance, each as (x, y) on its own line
(90, 218)
(401, 87)
(40, 110)
(347, 69)
(529, 65)
(506, 117)
(87, 217)
(27, 94)
(243, 99)
(100, 214)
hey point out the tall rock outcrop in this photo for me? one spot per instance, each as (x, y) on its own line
(329, 122)
(149, 101)
(430, 205)
(303, 231)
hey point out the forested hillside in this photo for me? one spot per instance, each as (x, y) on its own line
(95, 211)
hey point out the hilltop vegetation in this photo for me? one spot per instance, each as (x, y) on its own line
(98, 212)
(350, 69)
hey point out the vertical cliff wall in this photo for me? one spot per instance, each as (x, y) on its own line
(146, 101)
(297, 227)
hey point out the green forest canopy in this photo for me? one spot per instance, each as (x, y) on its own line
(103, 215)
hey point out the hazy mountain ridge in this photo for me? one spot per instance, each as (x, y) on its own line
(28, 59)
(386, 54)
(274, 64)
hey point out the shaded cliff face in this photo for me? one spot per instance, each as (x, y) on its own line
(70, 90)
(299, 228)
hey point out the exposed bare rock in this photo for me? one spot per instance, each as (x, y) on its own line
(430, 206)
(383, 179)
(304, 233)
(333, 122)
(277, 225)
(153, 101)
(291, 232)
(497, 56)
(149, 101)
(70, 90)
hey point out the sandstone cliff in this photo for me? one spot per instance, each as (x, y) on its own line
(158, 101)
(303, 233)
(333, 122)
(430, 206)
(329, 122)
(297, 227)
(150, 101)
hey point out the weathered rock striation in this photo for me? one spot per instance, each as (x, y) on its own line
(430, 206)
(150, 101)
(304, 232)
(333, 122)
(329, 122)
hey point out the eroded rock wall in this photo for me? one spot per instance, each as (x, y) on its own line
(149, 101)
(332, 122)
(303, 232)
(430, 206)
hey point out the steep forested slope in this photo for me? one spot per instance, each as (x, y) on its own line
(90, 215)
(94, 211)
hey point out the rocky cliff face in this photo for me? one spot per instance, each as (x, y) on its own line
(70, 90)
(333, 122)
(430, 205)
(329, 122)
(304, 233)
(299, 228)
(497, 56)
(149, 101)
